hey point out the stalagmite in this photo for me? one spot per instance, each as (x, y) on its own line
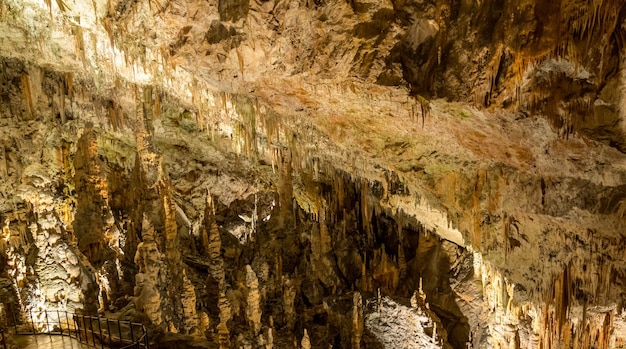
(223, 335)
(204, 322)
(422, 296)
(357, 320)
(286, 187)
(325, 240)
(386, 271)
(289, 295)
(254, 218)
(98, 237)
(147, 296)
(306, 342)
(253, 309)
(402, 266)
(414, 300)
(27, 94)
(188, 301)
(269, 342)
(365, 280)
(213, 244)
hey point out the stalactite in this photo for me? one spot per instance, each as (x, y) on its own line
(365, 284)
(494, 67)
(60, 3)
(424, 107)
(366, 213)
(286, 188)
(340, 191)
(270, 126)
(240, 61)
(582, 27)
(325, 239)
(112, 113)
(477, 238)
(157, 105)
(562, 321)
(27, 94)
(509, 241)
(148, 108)
(386, 271)
(4, 161)
(401, 262)
(79, 43)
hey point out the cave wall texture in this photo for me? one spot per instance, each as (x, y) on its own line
(313, 173)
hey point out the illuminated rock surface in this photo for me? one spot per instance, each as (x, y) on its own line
(282, 174)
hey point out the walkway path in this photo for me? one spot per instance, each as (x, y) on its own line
(43, 341)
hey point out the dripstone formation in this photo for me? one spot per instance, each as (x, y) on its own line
(316, 174)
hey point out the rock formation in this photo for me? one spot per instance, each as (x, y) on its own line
(306, 173)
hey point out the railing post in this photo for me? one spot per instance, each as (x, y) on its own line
(2, 339)
(14, 319)
(79, 333)
(100, 330)
(32, 320)
(119, 329)
(45, 312)
(93, 336)
(67, 321)
(145, 337)
(132, 335)
(78, 324)
(85, 326)
(76, 328)
(109, 331)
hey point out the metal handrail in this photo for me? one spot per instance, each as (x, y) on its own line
(81, 327)
(3, 340)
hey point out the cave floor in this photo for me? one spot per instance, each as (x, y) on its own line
(48, 342)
